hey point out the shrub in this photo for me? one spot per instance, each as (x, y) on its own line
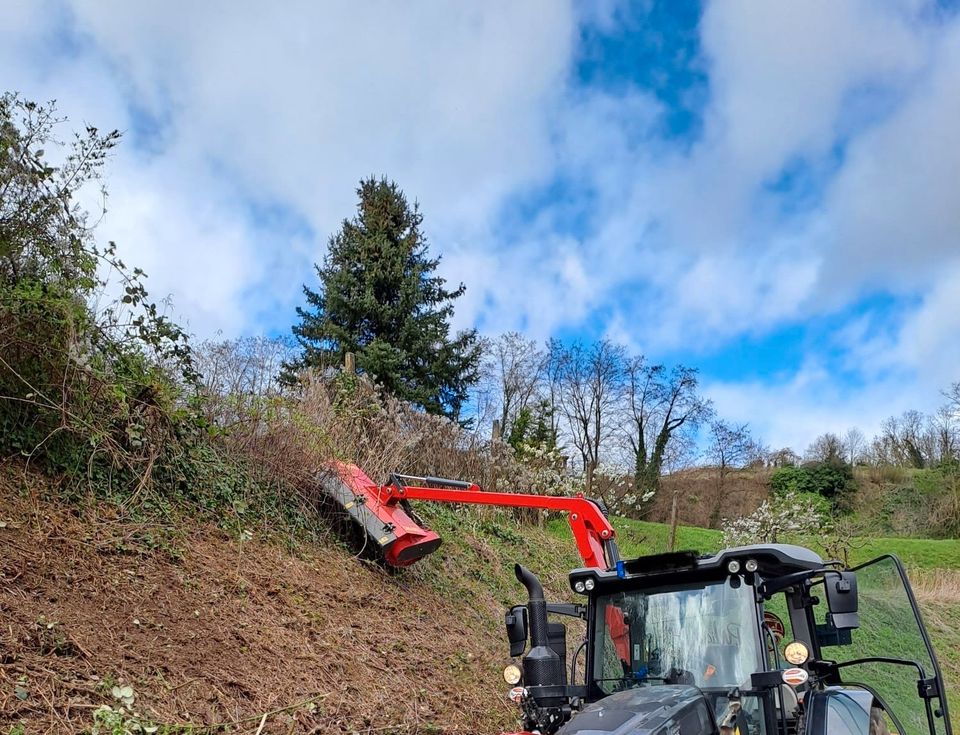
(99, 390)
(830, 480)
(787, 516)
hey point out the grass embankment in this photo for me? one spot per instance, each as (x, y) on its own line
(640, 537)
(212, 630)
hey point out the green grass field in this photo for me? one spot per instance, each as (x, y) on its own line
(639, 537)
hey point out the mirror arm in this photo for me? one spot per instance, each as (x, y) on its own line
(770, 587)
(569, 609)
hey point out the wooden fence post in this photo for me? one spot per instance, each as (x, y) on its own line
(674, 520)
(494, 451)
(349, 363)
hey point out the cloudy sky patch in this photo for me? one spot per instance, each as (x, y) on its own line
(764, 190)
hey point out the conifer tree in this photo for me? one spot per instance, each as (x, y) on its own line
(380, 298)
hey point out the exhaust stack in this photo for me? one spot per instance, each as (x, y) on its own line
(541, 666)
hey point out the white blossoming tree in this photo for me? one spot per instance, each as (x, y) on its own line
(790, 516)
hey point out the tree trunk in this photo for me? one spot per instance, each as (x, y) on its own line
(714, 521)
(494, 449)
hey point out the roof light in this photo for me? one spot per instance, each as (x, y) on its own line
(733, 566)
(751, 565)
(579, 586)
(589, 584)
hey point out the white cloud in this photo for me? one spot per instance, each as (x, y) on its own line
(929, 342)
(792, 411)
(895, 206)
(196, 250)
(297, 106)
(233, 104)
(248, 129)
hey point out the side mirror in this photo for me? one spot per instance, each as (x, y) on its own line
(841, 589)
(516, 620)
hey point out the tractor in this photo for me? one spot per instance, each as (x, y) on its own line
(757, 640)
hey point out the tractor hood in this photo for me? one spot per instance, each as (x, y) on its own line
(653, 710)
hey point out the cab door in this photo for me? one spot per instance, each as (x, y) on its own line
(890, 653)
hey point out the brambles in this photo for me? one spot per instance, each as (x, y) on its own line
(99, 393)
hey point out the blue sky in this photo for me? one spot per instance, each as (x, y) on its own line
(767, 191)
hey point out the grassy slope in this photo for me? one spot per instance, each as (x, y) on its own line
(210, 629)
(639, 537)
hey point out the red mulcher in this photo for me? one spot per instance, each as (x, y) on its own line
(382, 513)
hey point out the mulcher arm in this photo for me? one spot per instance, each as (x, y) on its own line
(382, 512)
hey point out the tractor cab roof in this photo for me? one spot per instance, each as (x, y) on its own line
(687, 567)
(774, 560)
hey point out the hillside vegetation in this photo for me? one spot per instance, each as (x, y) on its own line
(215, 631)
(212, 630)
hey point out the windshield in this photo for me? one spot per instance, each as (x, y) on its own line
(705, 636)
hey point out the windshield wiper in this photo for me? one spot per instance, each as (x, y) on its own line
(635, 679)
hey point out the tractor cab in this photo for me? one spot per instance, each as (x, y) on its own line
(756, 640)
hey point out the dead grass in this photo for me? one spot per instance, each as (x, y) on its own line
(701, 494)
(936, 586)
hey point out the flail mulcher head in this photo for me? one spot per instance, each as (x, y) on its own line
(381, 513)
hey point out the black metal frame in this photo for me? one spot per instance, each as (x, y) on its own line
(927, 688)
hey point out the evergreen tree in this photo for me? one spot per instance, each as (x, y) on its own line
(532, 429)
(380, 299)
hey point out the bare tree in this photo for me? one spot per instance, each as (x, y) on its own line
(854, 443)
(785, 457)
(239, 376)
(946, 427)
(682, 451)
(881, 451)
(902, 440)
(826, 448)
(553, 375)
(659, 404)
(590, 388)
(730, 446)
(514, 369)
(953, 398)
(917, 440)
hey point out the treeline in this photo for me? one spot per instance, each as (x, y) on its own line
(910, 440)
(607, 421)
(112, 394)
(619, 419)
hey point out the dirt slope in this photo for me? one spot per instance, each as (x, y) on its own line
(208, 629)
